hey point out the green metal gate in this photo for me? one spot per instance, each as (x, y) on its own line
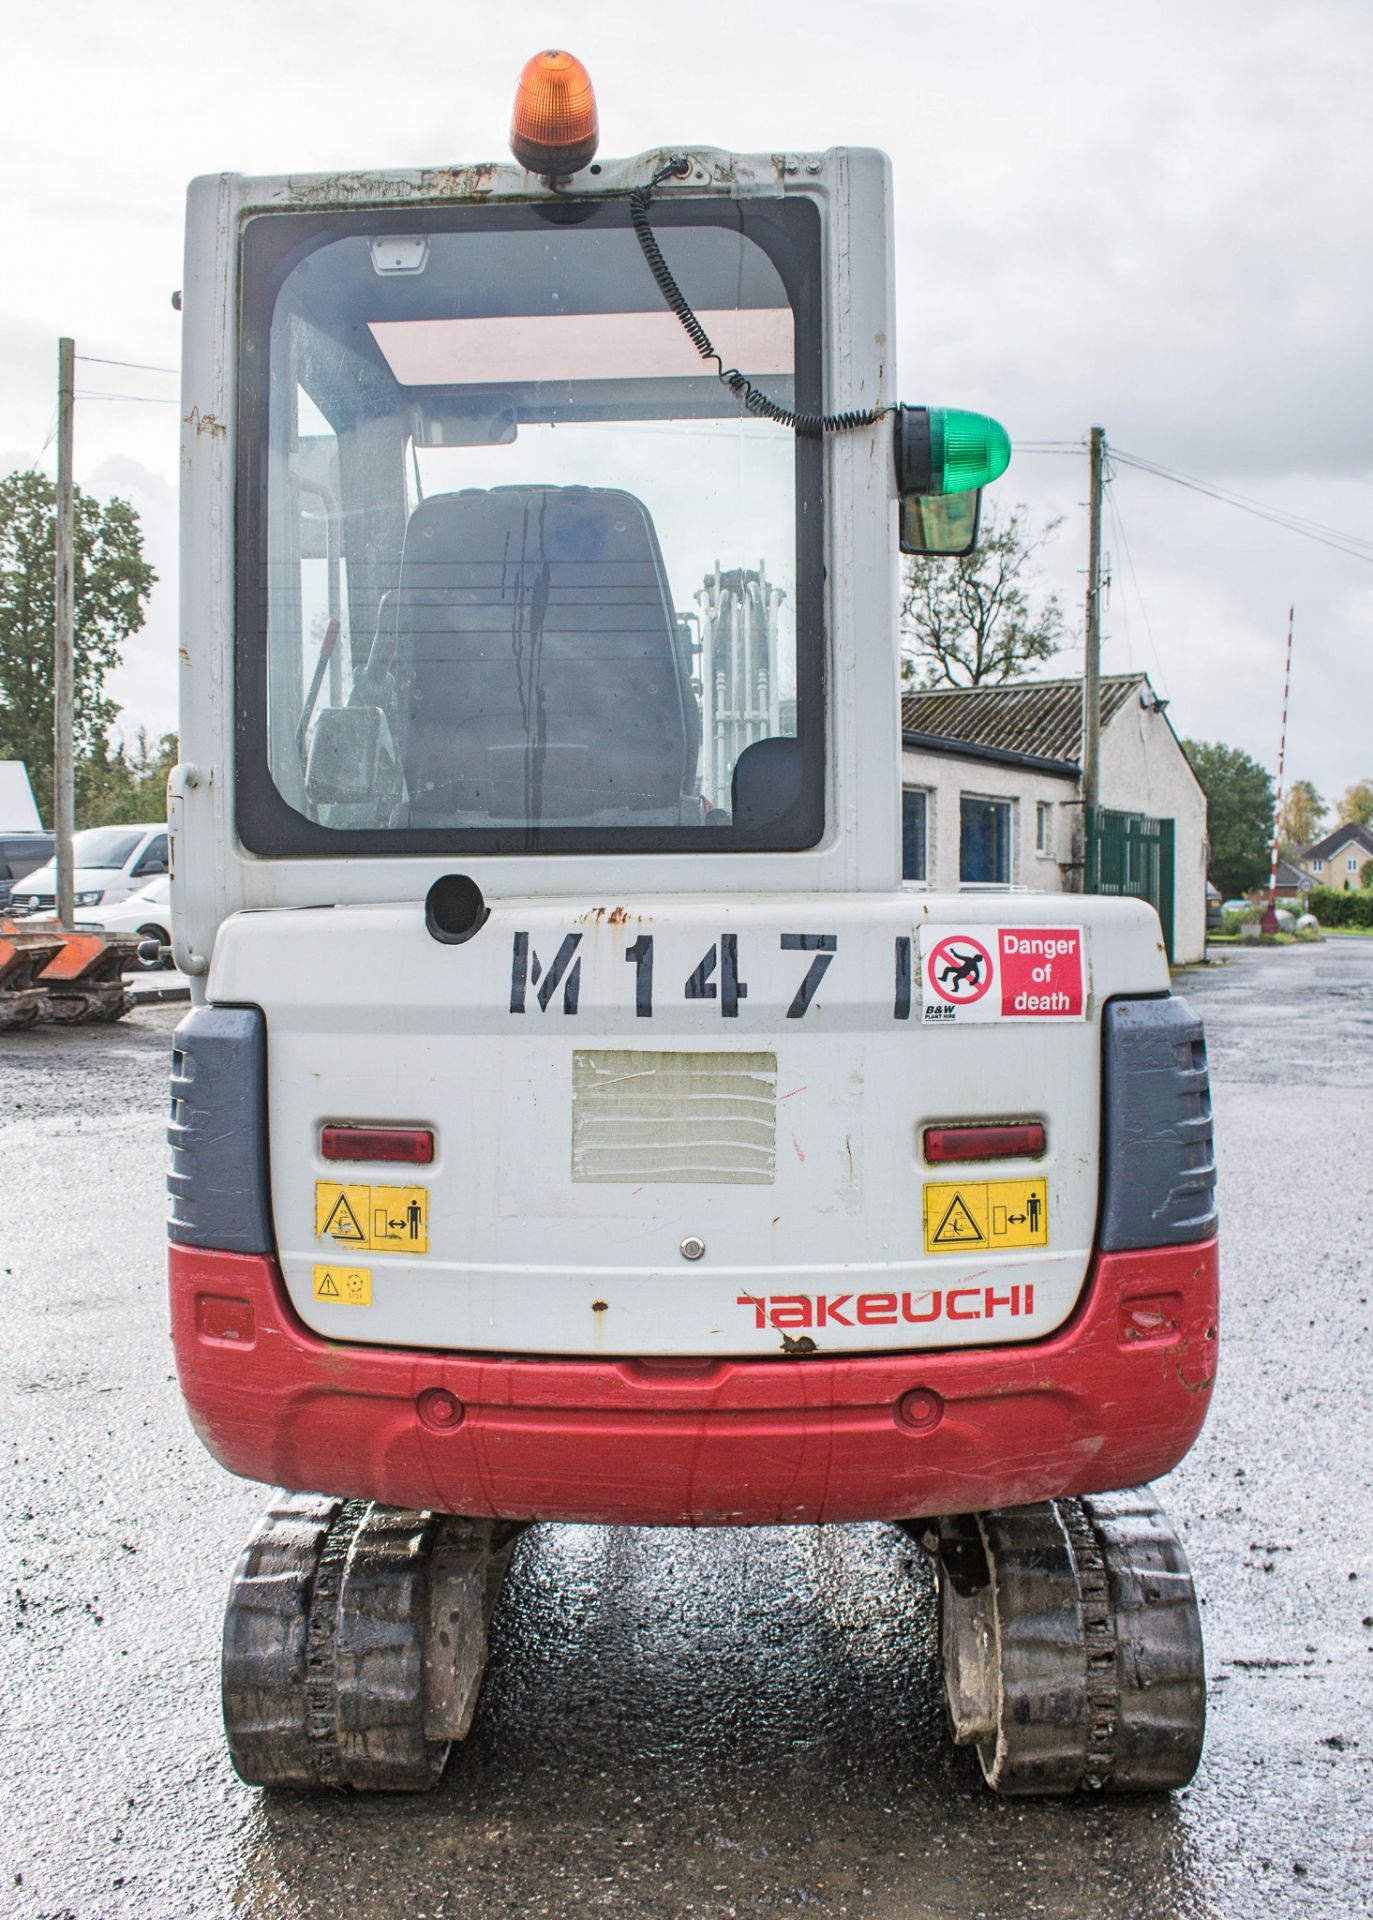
(1131, 855)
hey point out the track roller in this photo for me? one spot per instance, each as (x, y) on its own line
(1071, 1644)
(355, 1642)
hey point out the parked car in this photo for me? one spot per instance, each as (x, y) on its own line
(148, 913)
(110, 864)
(20, 855)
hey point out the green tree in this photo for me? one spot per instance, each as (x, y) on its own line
(112, 584)
(1239, 814)
(1299, 823)
(130, 784)
(972, 622)
(1356, 805)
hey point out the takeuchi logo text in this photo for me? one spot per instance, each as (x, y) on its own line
(788, 1311)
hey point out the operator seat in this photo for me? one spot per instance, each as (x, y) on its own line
(540, 676)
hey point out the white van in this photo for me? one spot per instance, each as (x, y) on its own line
(110, 863)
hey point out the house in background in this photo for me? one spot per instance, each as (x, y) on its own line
(1292, 879)
(1338, 860)
(991, 801)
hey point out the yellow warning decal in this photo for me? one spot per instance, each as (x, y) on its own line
(341, 1213)
(373, 1219)
(986, 1215)
(343, 1286)
(400, 1220)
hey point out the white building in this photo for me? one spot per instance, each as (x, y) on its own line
(991, 798)
(18, 808)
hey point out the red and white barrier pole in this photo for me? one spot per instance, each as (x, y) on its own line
(1282, 756)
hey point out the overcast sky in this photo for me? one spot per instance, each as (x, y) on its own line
(1153, 216)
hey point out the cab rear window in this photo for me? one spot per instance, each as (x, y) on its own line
(518, 572)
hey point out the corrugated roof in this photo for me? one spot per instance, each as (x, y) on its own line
(1040, 717)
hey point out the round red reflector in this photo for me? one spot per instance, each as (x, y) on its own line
(554, 129)
(440, 1410)
(920, 1409)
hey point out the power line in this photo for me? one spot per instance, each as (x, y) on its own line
(1298, 522)
(139, 366)
(47, 437)
(1350, 543)
(1119, 523)
(1112, 601)
(139, 399)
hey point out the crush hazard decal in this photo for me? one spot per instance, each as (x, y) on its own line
(1005, 973)
(372, 1219)
(985, 1215)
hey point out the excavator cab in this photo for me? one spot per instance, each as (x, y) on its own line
(577, 1118)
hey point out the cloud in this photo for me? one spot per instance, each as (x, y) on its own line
(1152, 217)
(144, 683)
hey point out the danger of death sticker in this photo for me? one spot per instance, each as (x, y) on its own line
(343, 1286)
(372, 1219)
(1002, 973)
(983, 1216)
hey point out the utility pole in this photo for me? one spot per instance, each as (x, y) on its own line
(63, 765)
(1091, 670)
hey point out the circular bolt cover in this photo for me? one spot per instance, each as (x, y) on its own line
(692, 1248)
(440, 1410)
(920, 1410)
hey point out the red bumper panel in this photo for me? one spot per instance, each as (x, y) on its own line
(1114, 1398)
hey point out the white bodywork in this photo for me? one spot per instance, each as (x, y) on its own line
(554, 1223)
(148, 907)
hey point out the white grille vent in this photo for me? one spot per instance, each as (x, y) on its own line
(643, 1118)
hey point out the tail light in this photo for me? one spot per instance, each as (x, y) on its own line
(1024, 1139)
(414, 1145)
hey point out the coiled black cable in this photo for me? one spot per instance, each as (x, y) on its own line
(809, 425)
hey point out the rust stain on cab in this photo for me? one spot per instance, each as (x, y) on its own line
(612, 916)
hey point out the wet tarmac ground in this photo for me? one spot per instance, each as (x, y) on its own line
(713, 1724)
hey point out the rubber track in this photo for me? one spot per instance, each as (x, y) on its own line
(1101, 1680)
(266, 1630)
(1042, 1718)
(1160, 1664)
(1097, 1656)
(324, 1640)
(379, 1655)
(321, 1621)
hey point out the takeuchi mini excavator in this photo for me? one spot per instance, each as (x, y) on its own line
(578, 1119)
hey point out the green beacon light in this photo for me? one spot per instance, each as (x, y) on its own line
(944, 458)
(967, 450)
(944, 450)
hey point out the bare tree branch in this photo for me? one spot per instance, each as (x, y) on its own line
(971, 622)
